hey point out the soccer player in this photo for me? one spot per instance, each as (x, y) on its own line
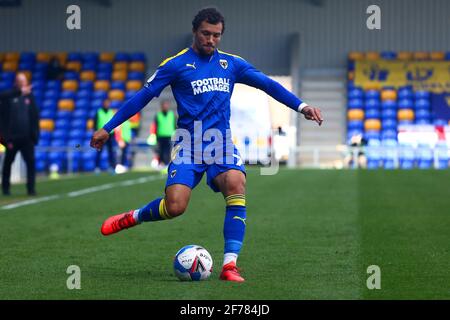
(202, 79)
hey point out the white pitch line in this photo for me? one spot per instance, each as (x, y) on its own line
(81, 192)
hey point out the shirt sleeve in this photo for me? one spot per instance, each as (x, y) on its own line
(162, 77)
(249, 75)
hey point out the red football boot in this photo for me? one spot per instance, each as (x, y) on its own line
(118, 222)
(231, 273)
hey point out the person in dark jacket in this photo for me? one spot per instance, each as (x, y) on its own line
(19, 130)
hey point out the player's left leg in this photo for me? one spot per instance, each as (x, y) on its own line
(231, 184)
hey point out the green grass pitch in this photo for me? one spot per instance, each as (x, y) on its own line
(311, 234)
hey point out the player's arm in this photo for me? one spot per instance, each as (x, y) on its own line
(247, 74)
(155, 84)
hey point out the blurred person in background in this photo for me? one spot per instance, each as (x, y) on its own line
(54, 70)
(165, 124)
(19, 130)
(103, 115)
(123, 137)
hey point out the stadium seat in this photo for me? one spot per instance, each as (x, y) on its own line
(74, 56)
(10, 66)
(422, 104)
(87, 75)
(437, 56)
(86, 85)
(115, 104)
(135, 75)
(129, 94)
(83, 94)
(78, 124)
(439, 122)
(372, 104)
(63, 114)
(137, 66)
(354, 103)
(373, 155)
(442, 155)
(404, 55)
(101, 85)
(105, 67)
(425, 157)
(73, 66)
(67, 95)
(43, 57)
(71, 75)
(388, 94)
(119, 76)
(117, 85)
(372, 124)
(80, 114)
(388, 104)
(405, 114)
(372, 114)
(372, 134)
(70, 85)
(134, 85)
(121, 57)
(388, 55)
(389, 114)
(389, 124)
(405, 104)
(355, 114)
(356, 55)
(422, 95)
(116, 94)
(120, 66)
(54, 84)
(106, 57)
(421, 56)
(46, 124)
(61, 124)
(82, 104)
(355, 125)
(406, 157)
(49, 104)
(100, 94)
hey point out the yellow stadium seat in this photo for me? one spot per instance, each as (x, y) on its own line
(119, 75)
(137, 66)
(73, 66)
(87, 75)
(90, 124)
(388, 95)
(116, 95)
(404, 55)
(71, 85)
(421, 55)
(355, 114)
(437, 55)
(12, 56)
(47, 124)
(372, 124)
(106, 57)
(66, 104)
(134, 85)
(120, 66)
(372, 55)
(101, 85)
(43, 57)
(62, 57)
(10, 66)
(405, 114)
(356, 56)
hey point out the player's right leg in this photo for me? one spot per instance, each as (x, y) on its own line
(182, 178)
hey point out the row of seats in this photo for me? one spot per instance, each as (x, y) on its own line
(68, 106)
(401, 55)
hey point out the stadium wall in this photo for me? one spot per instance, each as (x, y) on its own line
(257, 30)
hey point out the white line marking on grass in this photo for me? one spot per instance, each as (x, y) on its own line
(81, 192)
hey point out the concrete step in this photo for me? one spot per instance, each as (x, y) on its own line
(322, 95)
(313, 85)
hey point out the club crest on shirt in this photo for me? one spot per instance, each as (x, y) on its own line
(223, 63)
(173, 173)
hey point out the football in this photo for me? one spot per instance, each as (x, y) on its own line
(192, 262)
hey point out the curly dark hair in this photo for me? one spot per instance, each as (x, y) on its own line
(210, 15)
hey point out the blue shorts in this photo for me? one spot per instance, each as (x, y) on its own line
(190, 174)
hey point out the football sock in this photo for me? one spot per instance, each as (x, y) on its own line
(154, 211)
(234, 226)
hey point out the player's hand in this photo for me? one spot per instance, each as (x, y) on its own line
(99, 138)
(26, 90)
(312, 113)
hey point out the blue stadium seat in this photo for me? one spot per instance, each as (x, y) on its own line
(104, 67)
(389, 134)
(91, 57)
(423, 114)
(26, 66)
(40, 66)
(372, 94)
(83, 94)
(71, 75)
(388, 104)
(67, 95)
(355, 125)
(405, 122)
(64, 115)
(389, 124)
(74, 56)
(100, 94)
(80, 114)
(372, 114)
(356, 93)
(38, 85)
(372, 104)
(47, 114)
(51, 94)
(89, 66)
(76, 134)
(5, 85)
(86, 85)
(371, 134)
(44, 135)
(28, 56)
(103, 75)
(39, 76)
(115, 104)
(59, 135)
(405, 104)
(49, 104)
(78, 124)
(439, 122)
(136, 75)
(58, 142)
(355, 104)
(442, 155)
(54, 84)
(82, 104)
(422, 95)
(137, 56)
(406, 157)
(405, 93)
(62, 124)
(423, 121)
(425, 157)
(373, 155)
(120, 85)
(88, 160)
(422, 104)
(122, 57)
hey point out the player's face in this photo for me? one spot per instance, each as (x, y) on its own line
(207, 37)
